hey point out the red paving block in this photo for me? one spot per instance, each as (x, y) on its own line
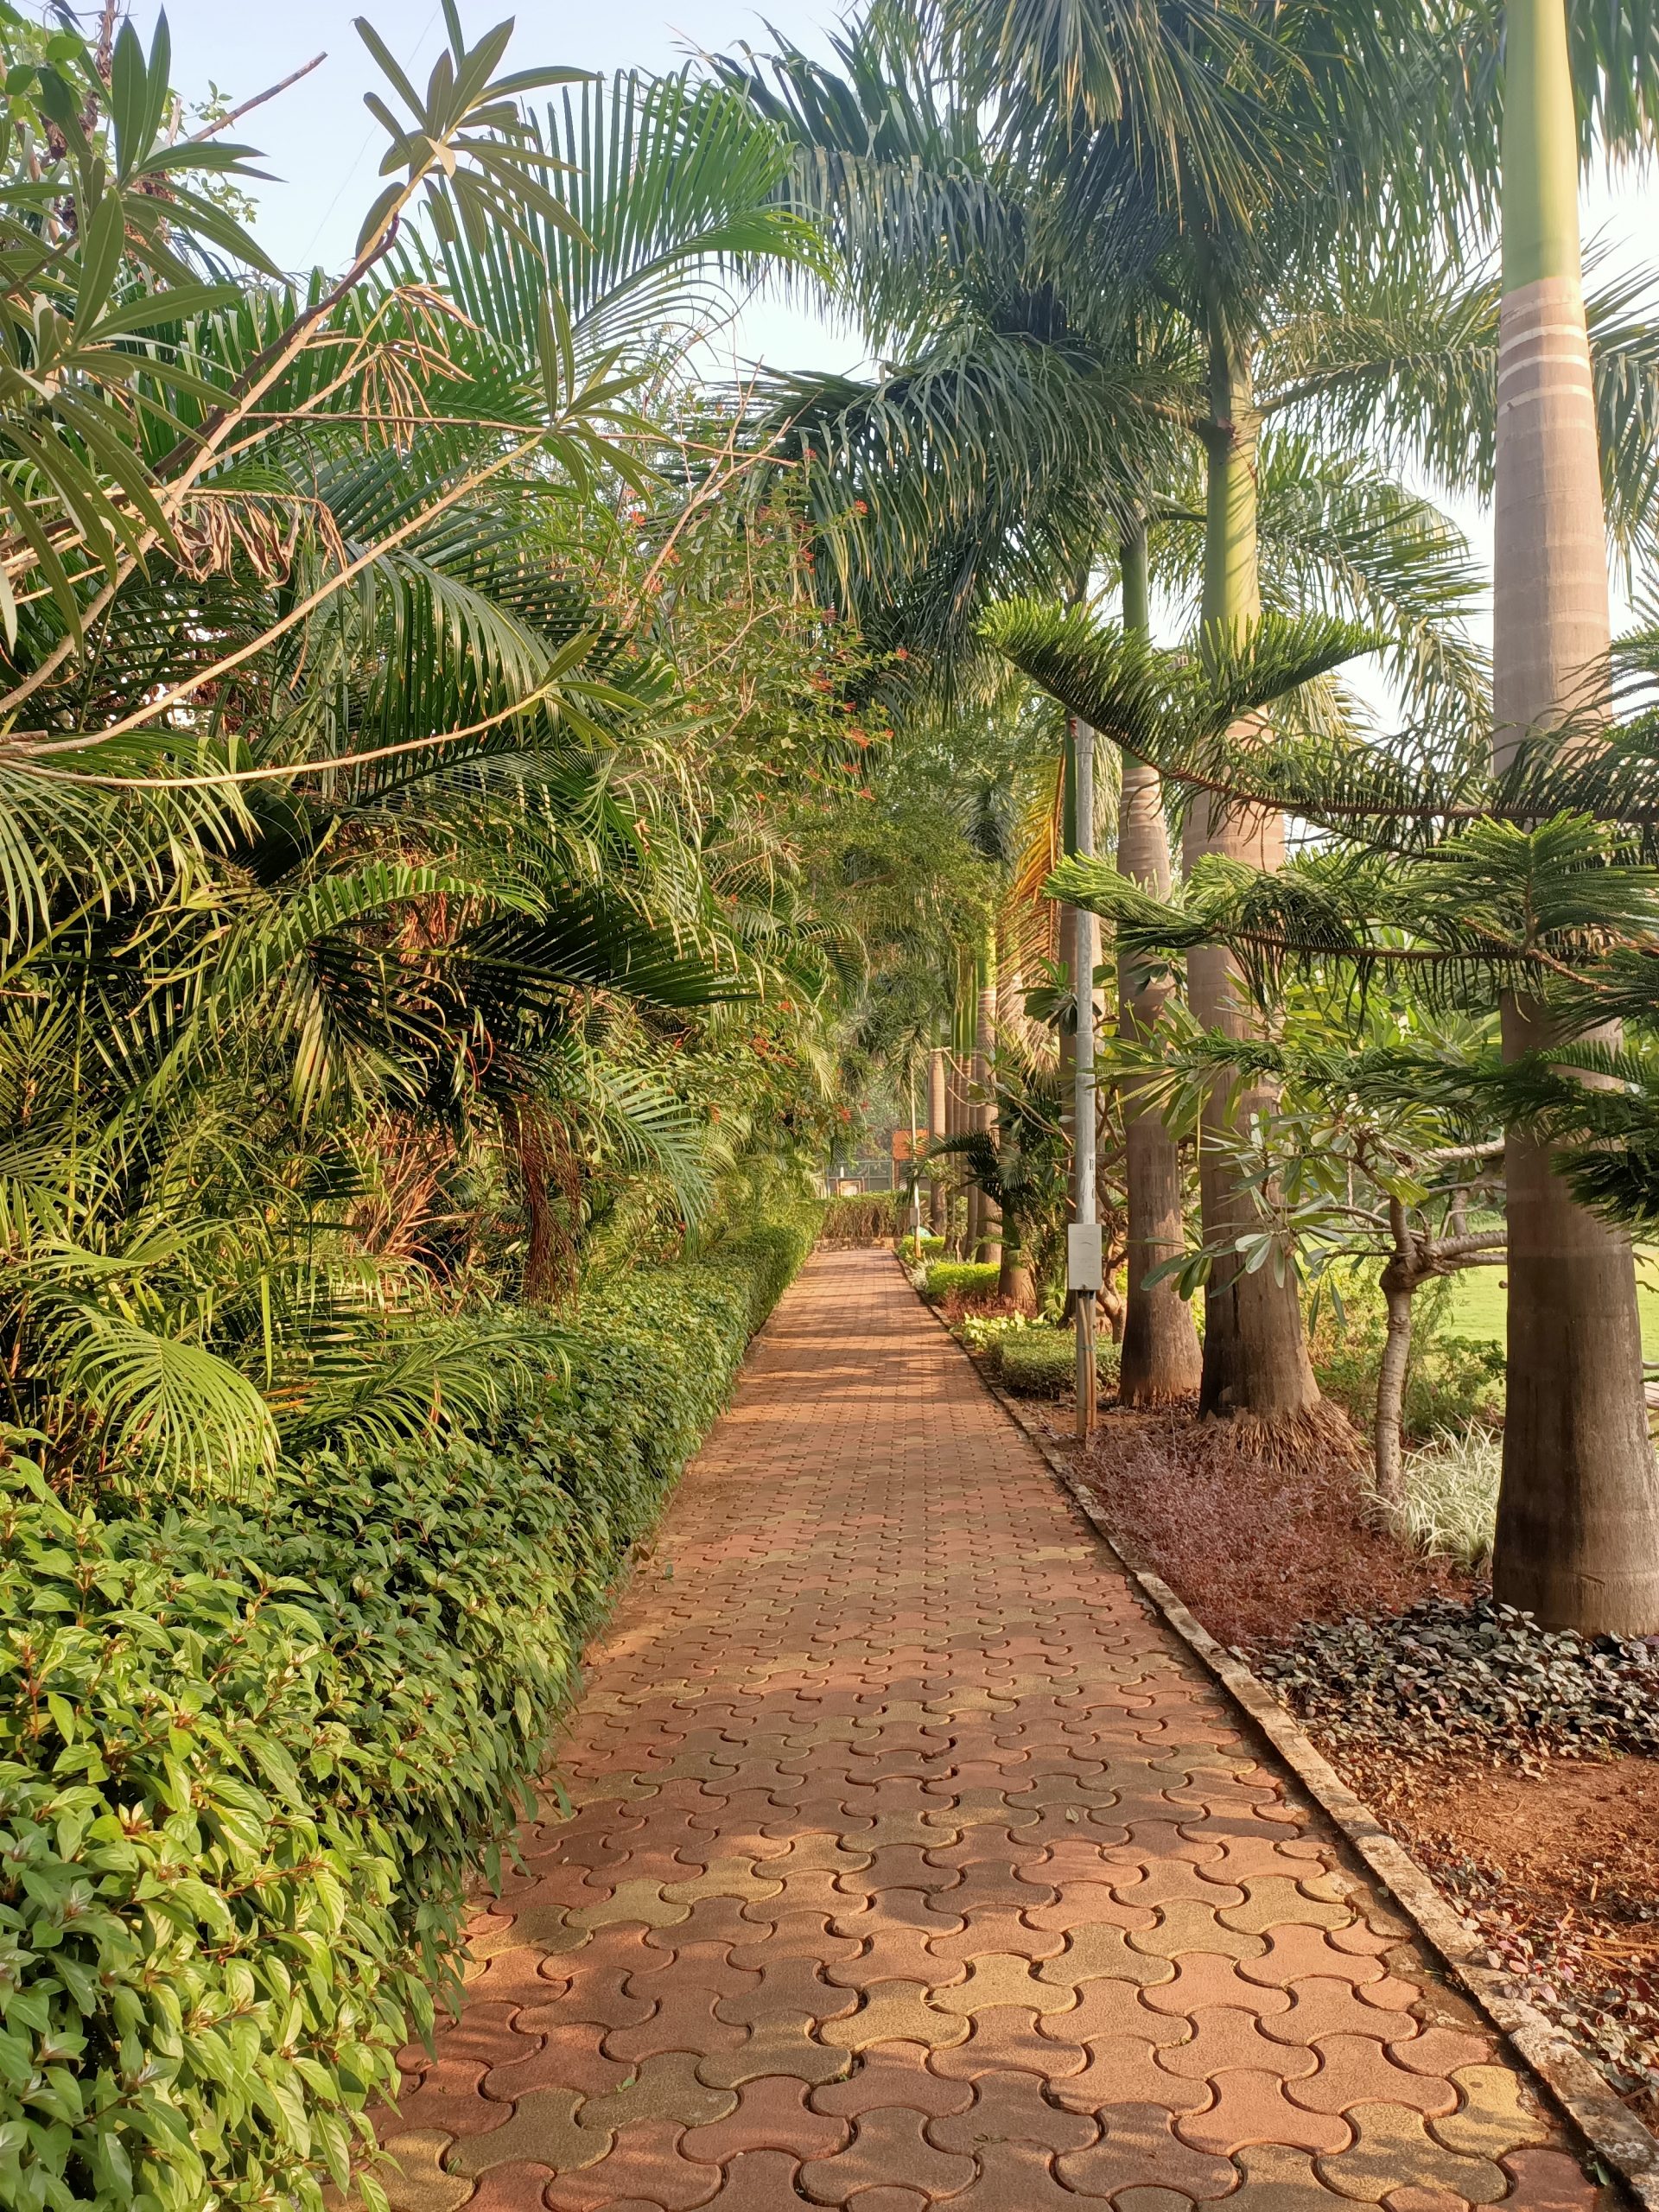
(903, 1838)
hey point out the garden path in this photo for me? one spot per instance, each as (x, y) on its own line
(914, 1861)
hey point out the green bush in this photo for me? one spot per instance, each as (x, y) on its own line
(961, 1279)
(1042, 1362)
(861, 1220)
(253, 1755)
(1452, 1380)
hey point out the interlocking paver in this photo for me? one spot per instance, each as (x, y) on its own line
(911, 1862)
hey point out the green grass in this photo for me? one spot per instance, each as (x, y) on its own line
(1479, 1302)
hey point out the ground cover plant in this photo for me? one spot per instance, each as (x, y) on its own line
(1043, 1363)
(960, 1279)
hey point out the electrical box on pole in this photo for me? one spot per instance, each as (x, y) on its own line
(1083, 1269)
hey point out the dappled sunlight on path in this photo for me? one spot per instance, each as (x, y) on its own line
(913, 1862)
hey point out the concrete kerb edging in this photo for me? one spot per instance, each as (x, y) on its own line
(1611, 2131)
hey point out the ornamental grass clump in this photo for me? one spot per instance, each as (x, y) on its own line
(1448, 1504)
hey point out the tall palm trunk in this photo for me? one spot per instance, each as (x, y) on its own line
(935, 1130)
(989, 1248)
(1162, 1360)
(1255, 1353)
(964, 1017)
(1066, 926)
(1578, 1519)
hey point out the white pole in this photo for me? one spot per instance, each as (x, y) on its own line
(1085, 1269)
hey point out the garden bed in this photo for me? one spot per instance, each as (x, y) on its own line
(1522, 1770)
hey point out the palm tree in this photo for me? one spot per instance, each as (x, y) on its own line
(1473, 888)
(1045, 416)
(1578, 1532)
(347, 835)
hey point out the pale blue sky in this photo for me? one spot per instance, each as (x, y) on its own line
(322, 145)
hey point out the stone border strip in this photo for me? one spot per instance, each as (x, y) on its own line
(1615, 2136)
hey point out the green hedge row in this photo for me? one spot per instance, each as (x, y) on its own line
(961, 1279)
(1043, 1363)
(251, 1756)
(863, 1219)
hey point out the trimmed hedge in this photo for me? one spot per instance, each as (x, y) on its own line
(1042, 1362)
(863, 1219)
(253, 1755)
(961, 1279)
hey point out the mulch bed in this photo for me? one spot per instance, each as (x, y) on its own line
(1521, 1769)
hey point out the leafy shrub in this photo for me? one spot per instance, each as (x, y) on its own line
(983, 1332)
(865, 1220)
(1452, 1380)
(1041, 1363)
(913, 1249)
(1450, 1506)
(961, 1279)
(252, 1757)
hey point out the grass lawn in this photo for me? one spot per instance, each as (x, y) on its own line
(1478, 1302)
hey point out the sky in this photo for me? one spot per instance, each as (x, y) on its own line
(322, 148)
(320, 141)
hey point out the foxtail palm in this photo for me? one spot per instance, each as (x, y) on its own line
(1091, 233)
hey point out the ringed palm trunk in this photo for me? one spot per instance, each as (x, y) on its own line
(1015, 1280)
(1256, 1357)
(1578, 1516)
(1066, 925)
(935, 1130)
(1161, 1359)
(966, 1122)
(989, 1250)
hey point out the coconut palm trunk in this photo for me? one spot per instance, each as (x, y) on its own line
(1161, 1359)
(1256, 1357)
(1578, 1519)
(936, 1131)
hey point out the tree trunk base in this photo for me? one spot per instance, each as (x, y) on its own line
(1148, 1394)
(1320, 1434)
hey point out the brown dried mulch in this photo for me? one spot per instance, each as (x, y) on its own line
(1251, 1546)
(1557, 1866)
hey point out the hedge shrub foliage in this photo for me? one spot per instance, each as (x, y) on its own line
(864, 1218)
(250, 1757)
(961, 1279)
(1043, 1363)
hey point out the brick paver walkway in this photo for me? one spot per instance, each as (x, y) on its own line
(914, 1862)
